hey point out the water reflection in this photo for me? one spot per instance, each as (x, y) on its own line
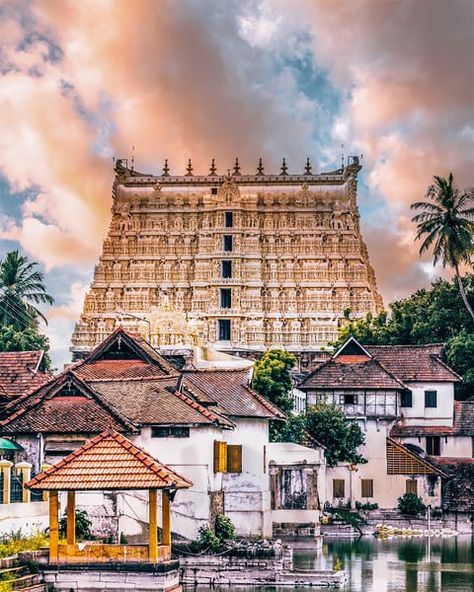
(397, 565)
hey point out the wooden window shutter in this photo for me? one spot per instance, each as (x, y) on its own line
(338, 487)
(411, 486)
(220, 456)
(367, 486)
(234, 458)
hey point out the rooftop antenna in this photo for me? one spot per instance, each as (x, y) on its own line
(133, 157)
(342, 156)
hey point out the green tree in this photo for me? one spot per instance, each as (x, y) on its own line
(445, 223)
(292, 430)
(26, 340)
(21, 288)
(341, 437)
(272, 377)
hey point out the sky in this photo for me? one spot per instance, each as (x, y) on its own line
(82, 82)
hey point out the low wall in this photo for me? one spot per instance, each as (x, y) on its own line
(29, 517)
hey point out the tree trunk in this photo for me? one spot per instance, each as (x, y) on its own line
(463, 293)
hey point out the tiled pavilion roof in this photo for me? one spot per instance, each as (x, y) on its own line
(108, 462)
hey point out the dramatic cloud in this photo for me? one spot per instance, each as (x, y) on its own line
(83, 81)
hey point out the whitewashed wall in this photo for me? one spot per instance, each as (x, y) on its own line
(418, 414)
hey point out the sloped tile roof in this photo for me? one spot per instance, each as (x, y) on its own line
(414, 362)
(368, 374)
(20, 373)
(463, 424)
(156, 402)
(230, 390)
(108, 462)
(119, 369)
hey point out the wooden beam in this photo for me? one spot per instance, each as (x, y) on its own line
(166, 517)
(71, 518)
(53, 526)
(153, 526)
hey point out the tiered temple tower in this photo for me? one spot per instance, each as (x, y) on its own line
(248, 260)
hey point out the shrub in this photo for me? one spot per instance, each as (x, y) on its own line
(411, 504)
(223, 528)
(15, 542)
(83, 525)
(207, 540)
(366, 506)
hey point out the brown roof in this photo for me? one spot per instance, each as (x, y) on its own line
(119, 369)
(108, 462)
(156, 402)
(368, 374)
(20, 372)
(414, 362)
(463, 424)
(230, 390)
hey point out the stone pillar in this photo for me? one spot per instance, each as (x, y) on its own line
(53, 526)
(6, 469)
(24, 472)
(166, 517)
(71, 518)
(274, 473)
(45, 493)
(153, 526)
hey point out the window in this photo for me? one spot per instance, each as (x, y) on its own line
(406, 399)
(350, 399)
(226, 298)
(367, 487)
(228, 219)
(338, 489)
(234, 458)
(411, 486)
(213, 190)
(433, 445)
(431, 399)
(169, 432)
(224, 329)
(227, 269)
(220, 456)
(228, 243)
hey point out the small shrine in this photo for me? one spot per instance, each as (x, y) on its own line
(109, 462)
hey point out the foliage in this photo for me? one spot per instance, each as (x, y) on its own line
(347, 516)
(411, 504)
(21, 288)
(272, 377)
(445, 222)
(291, 430)
(206, 541)
(436, 315)
(15, 542)
(223, 528)
(28, 339)
(83, 525)
(341, 437)
(366, 506)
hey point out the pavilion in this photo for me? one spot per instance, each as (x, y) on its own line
(108, 462)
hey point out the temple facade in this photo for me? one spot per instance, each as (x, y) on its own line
(244, 261)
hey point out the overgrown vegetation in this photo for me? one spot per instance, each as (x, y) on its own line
(210, 540)
(83, 525)
(346, 515)
(411, 504)
(15, 542)
(272, 377)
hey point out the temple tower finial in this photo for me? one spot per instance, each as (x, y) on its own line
(308, 169)
(260, 169)
(166, 169)
(236, 167)
(189, 169)
(284, 167)
(213, 169)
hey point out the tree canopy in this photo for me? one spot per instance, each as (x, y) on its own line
(27, 340)
(272, 377)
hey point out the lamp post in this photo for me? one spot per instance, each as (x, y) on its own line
(129, 314)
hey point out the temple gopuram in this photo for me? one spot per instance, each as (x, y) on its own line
(241, 262)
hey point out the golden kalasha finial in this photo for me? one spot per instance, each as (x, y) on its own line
(189, 169)
(213, 170)
(166, 169)
(236, 167)
(308, 169)
(260, 167)
(284, 168)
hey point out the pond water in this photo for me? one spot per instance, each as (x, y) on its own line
(396, 565)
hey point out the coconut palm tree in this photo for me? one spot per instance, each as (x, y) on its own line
(21, 287)
(446, 225)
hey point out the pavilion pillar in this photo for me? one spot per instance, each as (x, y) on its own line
(166, 517)
(53, 526)
(153, 526)
(71, 518)
(45, 492)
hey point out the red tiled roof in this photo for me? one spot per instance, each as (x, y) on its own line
(229, 389)
(414, 362)
(108, 462)
(119, 369)
(463, 424)
(19, 372)
(369, 374)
